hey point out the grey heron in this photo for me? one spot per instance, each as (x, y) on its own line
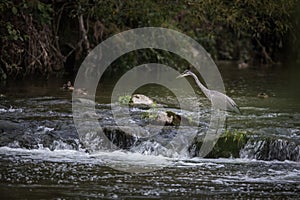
(218, 99)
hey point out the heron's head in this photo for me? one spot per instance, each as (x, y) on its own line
(185, 73)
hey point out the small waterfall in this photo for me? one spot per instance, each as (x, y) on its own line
(153, 148)
(271, 149)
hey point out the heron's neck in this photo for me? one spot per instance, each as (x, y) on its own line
(202, 87)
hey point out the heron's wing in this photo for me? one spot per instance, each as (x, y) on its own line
(220, 98)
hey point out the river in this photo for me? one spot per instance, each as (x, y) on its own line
(42, 157)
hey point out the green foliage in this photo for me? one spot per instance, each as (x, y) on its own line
(13, 33)
(227, 29)
(3, 76)
(41, 12)
(27, 40)
(231, 30)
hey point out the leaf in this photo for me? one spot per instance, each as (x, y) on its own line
(14, 10)
(40, 6)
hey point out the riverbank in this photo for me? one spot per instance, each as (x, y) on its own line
(41, 38)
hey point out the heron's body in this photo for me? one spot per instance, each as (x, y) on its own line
(218, 99)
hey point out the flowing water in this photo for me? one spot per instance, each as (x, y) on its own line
(42, 157)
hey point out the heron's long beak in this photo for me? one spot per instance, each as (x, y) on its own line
(181, 75)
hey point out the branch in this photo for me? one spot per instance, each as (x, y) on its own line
(84, 33)
(268, 58)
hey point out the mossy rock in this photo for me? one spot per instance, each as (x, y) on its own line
(140, 99)
(167, 118)
(228, 145)
(137, 100)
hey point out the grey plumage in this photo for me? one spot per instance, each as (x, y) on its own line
(218, 99)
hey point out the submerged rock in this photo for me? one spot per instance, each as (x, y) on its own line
(169, 118)
(262, 95)
(243, 65)
(123, 137)
(165, 118)
(10, 126)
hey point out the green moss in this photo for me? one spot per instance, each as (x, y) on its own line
(228, 145)
(124, 100)
(152, 114)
